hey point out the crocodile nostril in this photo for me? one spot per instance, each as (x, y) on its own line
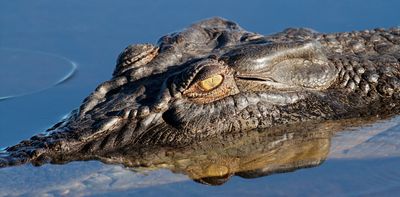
(135, 56)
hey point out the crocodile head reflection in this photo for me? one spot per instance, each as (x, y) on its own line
(282, 152)
(253, 154)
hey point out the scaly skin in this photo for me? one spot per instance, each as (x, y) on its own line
(214, 78)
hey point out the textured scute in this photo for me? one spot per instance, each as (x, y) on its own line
(157, 96)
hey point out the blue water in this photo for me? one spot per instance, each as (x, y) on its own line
(92, 33)
(23, 72)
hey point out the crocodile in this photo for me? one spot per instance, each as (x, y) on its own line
(213, 79)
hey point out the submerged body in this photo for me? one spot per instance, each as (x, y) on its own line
(214, 79)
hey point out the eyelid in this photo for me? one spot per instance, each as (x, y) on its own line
(211, 83)
(206, 73)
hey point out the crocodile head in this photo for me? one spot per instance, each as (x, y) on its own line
(209, 79)
(215, 78)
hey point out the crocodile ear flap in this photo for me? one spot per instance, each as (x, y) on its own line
(261, 58)
(302, 65)
(289, 65)
(135, 56)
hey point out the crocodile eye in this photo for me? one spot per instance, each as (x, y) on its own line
(208, 81)
(211, 83)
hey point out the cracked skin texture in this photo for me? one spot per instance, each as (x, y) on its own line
(215, 78)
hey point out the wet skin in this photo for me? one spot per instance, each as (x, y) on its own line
(215, 79)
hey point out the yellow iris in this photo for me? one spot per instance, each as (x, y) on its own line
(211, 82)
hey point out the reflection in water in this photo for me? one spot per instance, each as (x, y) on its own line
(364, 168)
(249, 155)
(25, 72)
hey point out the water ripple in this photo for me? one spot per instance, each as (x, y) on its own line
(24, 72)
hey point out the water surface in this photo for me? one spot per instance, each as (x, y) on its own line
(362, 161)
(28, 72)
